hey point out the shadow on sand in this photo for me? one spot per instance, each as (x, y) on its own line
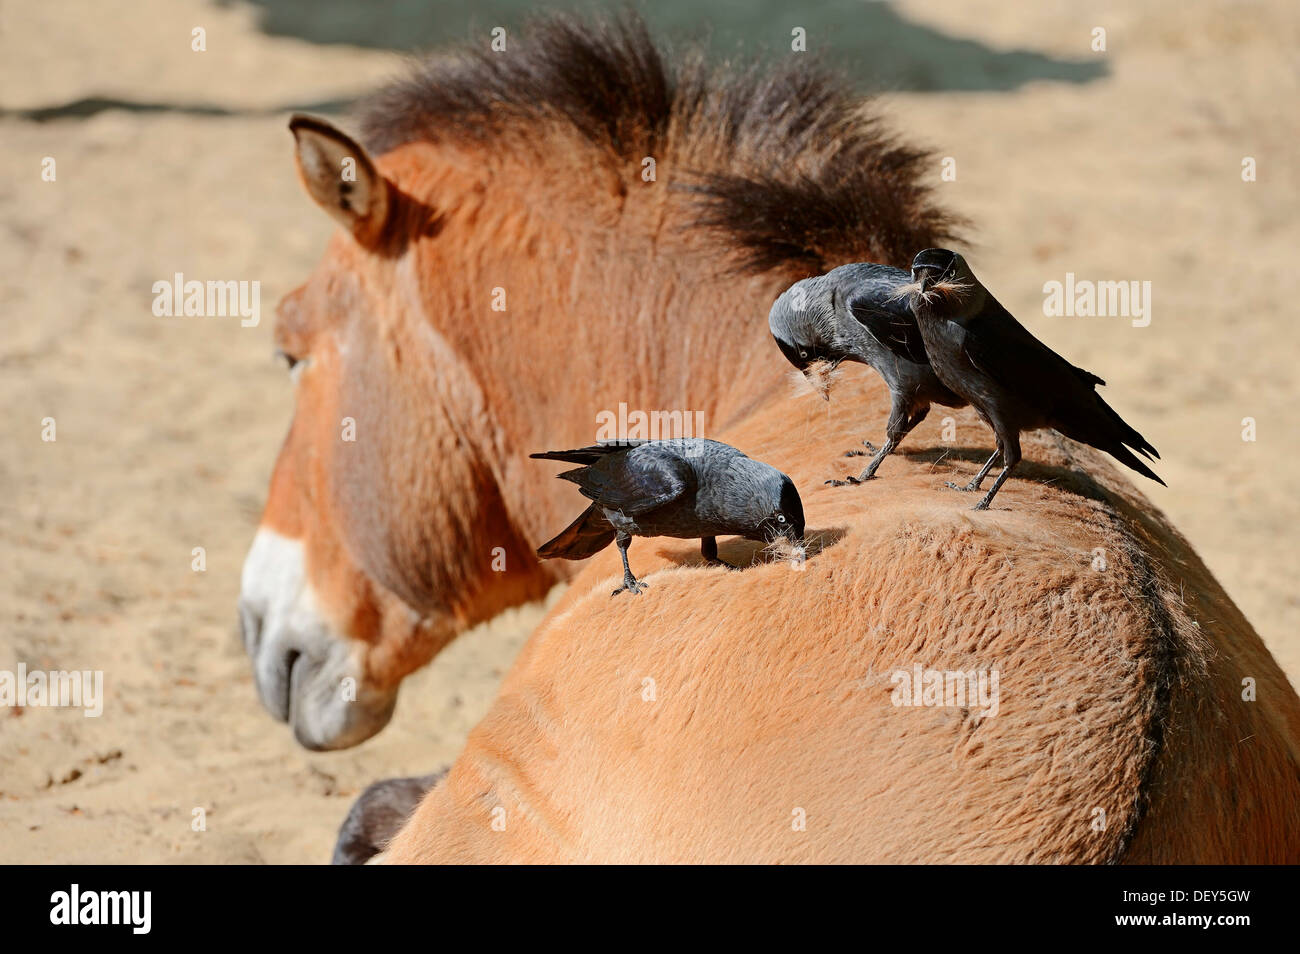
(866, 39)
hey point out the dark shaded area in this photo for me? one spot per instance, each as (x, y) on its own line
(93, 105)
(1074, 480)
(378, 814)
(867, 39)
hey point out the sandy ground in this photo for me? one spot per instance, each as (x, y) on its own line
(167, 429)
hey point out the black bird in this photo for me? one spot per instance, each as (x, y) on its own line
(854, 313)
(674, 488)
(1015, 382)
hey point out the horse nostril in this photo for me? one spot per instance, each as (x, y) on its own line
(250, 625)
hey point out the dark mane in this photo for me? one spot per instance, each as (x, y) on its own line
(781, 159)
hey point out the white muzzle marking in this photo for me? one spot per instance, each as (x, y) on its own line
(307, 673)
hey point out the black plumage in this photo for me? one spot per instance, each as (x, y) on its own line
(1015, 382)
(675, 488)
(854, 313)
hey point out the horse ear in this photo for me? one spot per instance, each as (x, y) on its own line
(341, 177)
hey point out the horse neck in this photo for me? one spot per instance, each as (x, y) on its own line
(534, 272)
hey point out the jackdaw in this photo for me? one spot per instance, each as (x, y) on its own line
(682, 488)
(1015, 382)
(852, 313)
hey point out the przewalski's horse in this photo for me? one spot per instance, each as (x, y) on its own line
(529, 238)
(759, 716)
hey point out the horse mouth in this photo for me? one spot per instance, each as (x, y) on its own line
(280, 682)
(291, 661)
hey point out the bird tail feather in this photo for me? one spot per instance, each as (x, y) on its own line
(1101, 426)
(574, 475)
(1121, 432)
(586, 455)
(1128, 458)
(1130, 436)
(585, 537)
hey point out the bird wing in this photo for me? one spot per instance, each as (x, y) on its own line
(634, 484)
(896, 331)
(1006, 351)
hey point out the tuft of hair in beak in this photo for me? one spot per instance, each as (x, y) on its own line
(818, 378)
(931, 292)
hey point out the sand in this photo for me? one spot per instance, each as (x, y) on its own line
(167, 428)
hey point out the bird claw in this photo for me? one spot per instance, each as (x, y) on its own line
(870, 449)
(964, 488)
(851, 481)
(632, 586)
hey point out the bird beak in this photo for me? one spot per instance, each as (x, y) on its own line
(925, 277)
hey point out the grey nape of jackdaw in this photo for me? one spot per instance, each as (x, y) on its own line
(854, 313)
(674, 488)
(1015, 381)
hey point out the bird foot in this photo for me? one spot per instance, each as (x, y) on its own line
(870, 449)
(964, 488)
(632, 586)
(851, 481)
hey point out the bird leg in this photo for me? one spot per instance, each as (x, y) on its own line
(709, 550)
(894, 438)
(630, 583)
(974, 485)
(870, 472)
(1009, 460)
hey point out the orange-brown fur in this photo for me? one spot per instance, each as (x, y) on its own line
(617, 290)
(1121, 688)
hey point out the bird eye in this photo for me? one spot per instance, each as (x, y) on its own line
(780, 518)
(803, 354)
